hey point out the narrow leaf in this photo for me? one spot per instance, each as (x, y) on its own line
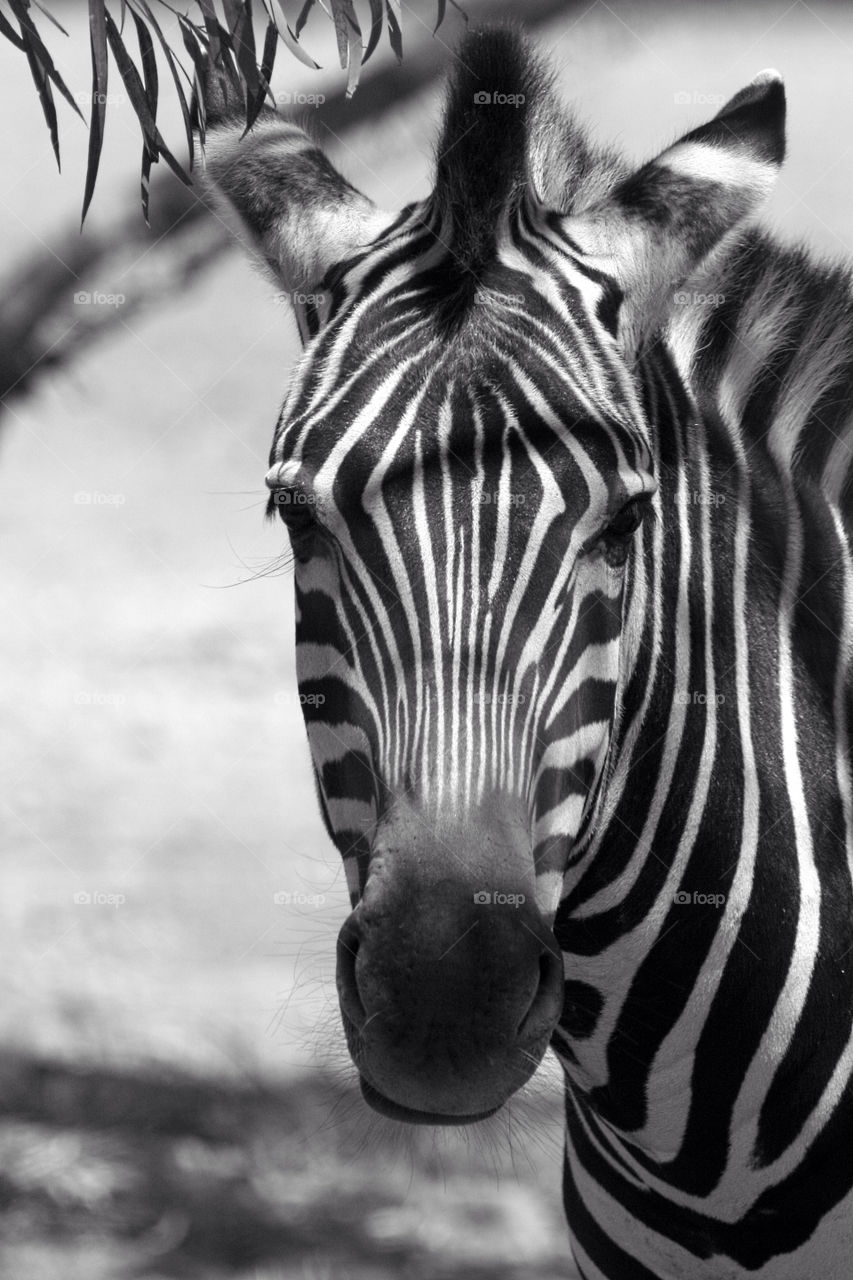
(98, 43)
(152, 91)
(192, 43)
(10, 33)
(211, 26)
(395, 33)
(270, 49)
(290, 41)
(267, 63)
(238, 14)
(348, 34)
(375, 28)
(50, 17)
(199, 109)
(48, 106)
(132, 82)
(193, 46)
(439, 16)
(303, 17)
(149, 63)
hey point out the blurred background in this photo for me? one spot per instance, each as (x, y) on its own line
(175, 1098)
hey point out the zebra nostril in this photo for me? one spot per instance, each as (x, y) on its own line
(348, 993)
(546, 1005)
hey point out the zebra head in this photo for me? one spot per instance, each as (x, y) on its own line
(465, 464)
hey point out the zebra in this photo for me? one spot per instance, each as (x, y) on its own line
(565, 468)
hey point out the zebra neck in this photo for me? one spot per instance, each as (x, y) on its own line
(716, 889)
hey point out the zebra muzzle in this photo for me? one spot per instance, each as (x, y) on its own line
(449, 995)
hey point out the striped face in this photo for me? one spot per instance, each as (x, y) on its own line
(462, 511)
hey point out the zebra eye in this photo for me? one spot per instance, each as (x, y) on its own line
(626, 521)
(616, 540)
(296, 506)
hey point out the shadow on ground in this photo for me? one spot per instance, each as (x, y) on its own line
(142, 1175)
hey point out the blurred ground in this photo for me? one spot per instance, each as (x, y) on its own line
(175, 1096)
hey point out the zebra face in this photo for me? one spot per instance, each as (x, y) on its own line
(462, 514)
(464, 465)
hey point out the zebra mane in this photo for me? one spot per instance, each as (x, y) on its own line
(503, 129)
(773, 324)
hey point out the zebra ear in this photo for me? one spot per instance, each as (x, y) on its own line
(295, 213)
(656, 226)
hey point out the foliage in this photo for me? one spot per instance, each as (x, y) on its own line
(230, 43)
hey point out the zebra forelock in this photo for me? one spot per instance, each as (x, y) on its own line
(505, 136)
(482, 158)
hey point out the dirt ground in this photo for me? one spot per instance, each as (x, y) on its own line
(175, 1098)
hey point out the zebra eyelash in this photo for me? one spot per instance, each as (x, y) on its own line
(295, 506)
